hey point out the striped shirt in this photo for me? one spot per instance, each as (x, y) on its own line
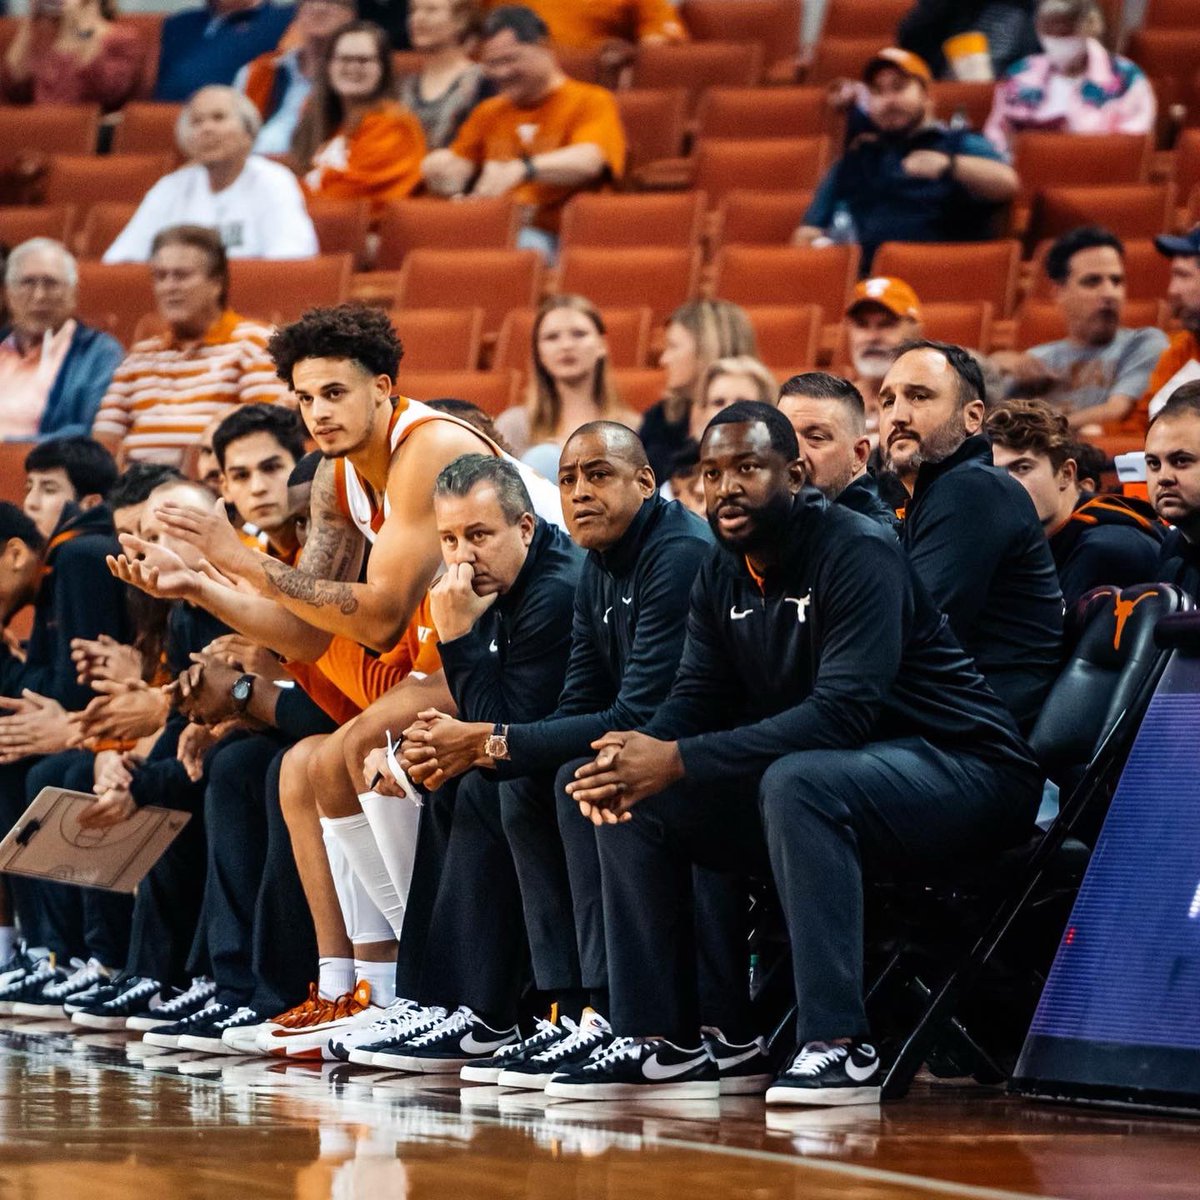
(167, 392)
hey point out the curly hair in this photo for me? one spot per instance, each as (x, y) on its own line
(352, 331)
(1031, 427)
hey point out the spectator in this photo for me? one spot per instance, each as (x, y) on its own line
(698, 333)
(72, 53)
(728, 380)
(449, 84)
(355, 140)
(170, 387)
(53, 368)
(972, 533)
(1095, 540)
(571, 385)
(829, 418)
(1007, 25)
(256, 205)
(279, 82)
(1180, 362)
(599, 25)
(1074, 86)
(1099, 371)
(884, 313)
(909, 179)
(208, 45)
(684, 481)
(1173, 481)
(542, 139)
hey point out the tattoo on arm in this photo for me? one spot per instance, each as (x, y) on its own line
(299, 585)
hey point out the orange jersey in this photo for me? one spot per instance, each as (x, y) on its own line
(573, 114)
(1181, 350)
(590, 23)
(379, 160)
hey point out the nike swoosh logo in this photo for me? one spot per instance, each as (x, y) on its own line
(734, 615)
(471, 1046)
(737, 1059)
(606, 612)
(857, 1073)
(493, 647)
(653, 1069)
(626, 599)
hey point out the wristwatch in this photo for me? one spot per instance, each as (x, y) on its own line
(496, 746)
(242, 687)
(530, 168)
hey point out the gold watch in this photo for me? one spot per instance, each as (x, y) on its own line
(496, 746)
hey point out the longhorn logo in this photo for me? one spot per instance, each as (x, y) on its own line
(1123, 610)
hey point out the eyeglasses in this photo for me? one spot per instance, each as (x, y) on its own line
(31, 283)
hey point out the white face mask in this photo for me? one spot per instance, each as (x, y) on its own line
(1063, 52)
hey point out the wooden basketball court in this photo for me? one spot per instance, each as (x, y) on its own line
(98, 1117)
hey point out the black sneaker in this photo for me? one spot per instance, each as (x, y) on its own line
(100, 994)
(824, 1074)
(589, 1038)
(744, 1068)
(206, 1035)
(459, 1039)
(29, 986)
(382, 1052)
(169, 1035)
(136, 994)
(181, 1005)
(649, 1068)
(18, 963)
(48, 1003)
(487, 1070)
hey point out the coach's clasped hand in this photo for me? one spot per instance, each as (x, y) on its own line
(627, 768)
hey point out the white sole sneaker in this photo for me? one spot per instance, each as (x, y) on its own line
(698, 1089)
(823, 1097)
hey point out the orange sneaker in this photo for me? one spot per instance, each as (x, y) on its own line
(307, 1033)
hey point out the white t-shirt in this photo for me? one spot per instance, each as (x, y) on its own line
(260, 215)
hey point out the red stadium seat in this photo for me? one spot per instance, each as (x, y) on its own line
(760, 164)
(649, 219)
(492, 391)
(627, 332)
(19, 224)
(952, 98)
(840, 58)
(147, 127)
(280, 290)
(695, 66)
(865, 18)
(148, 27)
(114, 297)
(787, 335)
(341, 225)
(968, 323)
(440, 339)
(1166, 53)
(753, 275)
(773, 24)
(1073, 159)
(953, 271)
(1138, 210)
(639, 389)
(760, 218)
(654, 121)
(1146, 271)
(48, 129)
(104, 221)
(1187, 163)
(659, 277)
(1038, 322)
(785, 112)
(484, 224)
(583, 64)
(87, 179)
(1172, 14)
(495, 280)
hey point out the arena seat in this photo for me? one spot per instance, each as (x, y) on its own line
(147, 127)
(495, 280)
(638, 389)
(87, 179)
(1187, 164)
(431, 224)
(101, 225)
(627, 332)
(754, 275)
(649, 219)
(280, 290)
(865, 18)
(952, 97)
(584, 64)
(1074, 159)
(1039, 322)
(840, 58)
(773, 24)
(965, 323)
(1165, 54)
(654, 121)
(1172, 14)
(1136, 210)
(759, 218)
(659, 277)
(148, 26)
(695, 66)
(784, 112)
(20, 223)
(787, 335)
(1146, 271)
(114, 297)
(951, 271)
(763, 164)
(341, 225)
(40, 129)
(440, 339)
(492, 391)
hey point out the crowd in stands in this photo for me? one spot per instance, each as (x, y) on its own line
(487, 727)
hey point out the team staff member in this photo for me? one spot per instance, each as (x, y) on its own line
(1095, 540)
(830, 420)
(971, 531)
(860, 730)
(1173, 480)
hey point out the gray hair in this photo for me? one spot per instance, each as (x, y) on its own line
(466, 471)
(245, 107)
(1077, 10)
(40, 245)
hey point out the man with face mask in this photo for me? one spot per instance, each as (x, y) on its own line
(909, 179)
(971, 530)
(1075, 85)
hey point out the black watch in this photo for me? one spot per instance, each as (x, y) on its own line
(530, 169)
(242, 687)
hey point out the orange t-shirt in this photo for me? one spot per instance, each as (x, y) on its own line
(379, 160)
(585, 24)
(573, 114)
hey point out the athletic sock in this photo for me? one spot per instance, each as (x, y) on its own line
(336, 977)
(395, 822)
(365, 924)
(382, 978)
(357, 840)
(8, 942)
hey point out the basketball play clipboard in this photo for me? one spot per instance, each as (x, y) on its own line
(47, 842)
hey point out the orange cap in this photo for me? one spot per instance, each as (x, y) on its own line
(903, 60)
(893, 294)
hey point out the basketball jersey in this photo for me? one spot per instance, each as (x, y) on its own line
(357, 499)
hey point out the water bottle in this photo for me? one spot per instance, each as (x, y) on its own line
(960, 120)
(842, 230)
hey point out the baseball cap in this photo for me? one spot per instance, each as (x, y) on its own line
(893, 294)
(902, 60)
(1185, 245)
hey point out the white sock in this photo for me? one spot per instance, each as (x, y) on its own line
(382, 978)
(336, 977)
(357, 840)
(364, 922)
(8, 942)
(395, 822)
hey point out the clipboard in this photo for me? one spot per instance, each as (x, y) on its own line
(48, 842)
